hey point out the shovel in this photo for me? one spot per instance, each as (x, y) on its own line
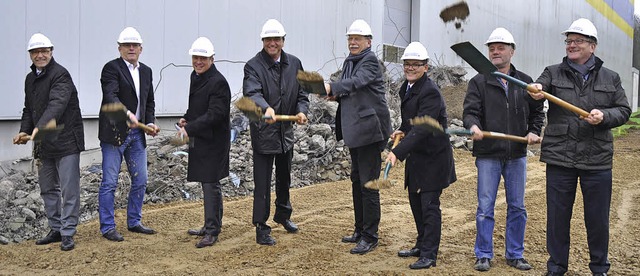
(117, 112)
(49, 130)
(250, 109)
(480, 63)
(385, 183)
(430, 124)
(311, 82)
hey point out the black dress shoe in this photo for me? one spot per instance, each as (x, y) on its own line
(265, 239)
(52, 236)
(423, 262)
(288, 225)
(354, 238)
(207, 240)
(142, 229)
(363, 247)
(67, 243)
(113, 235)
(413, 252)
(196, 232)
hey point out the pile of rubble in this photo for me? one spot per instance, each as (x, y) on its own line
(317, 158)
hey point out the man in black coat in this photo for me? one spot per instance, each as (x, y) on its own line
(206, 125)
(270, 81)
(51, 95)
(430, 167)
(125, 80)
(363, 121)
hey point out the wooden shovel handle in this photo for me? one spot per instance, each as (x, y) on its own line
(559, 102)
(502, 136)
(550, 97)
(286, 118)
(145, 127)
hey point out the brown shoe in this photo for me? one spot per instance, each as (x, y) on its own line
(207, 240)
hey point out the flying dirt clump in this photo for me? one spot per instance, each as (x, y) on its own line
(457, 13)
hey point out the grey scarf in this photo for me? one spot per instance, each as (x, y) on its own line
(585, 68)
(351, 61)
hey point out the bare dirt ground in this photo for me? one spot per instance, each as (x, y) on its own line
(324, 214)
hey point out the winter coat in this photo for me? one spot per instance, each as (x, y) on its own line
(363, 115)
(274, 85)
(208, 126)
(569, 141)
(430, 165)
(118, 86)
(52, 95)
(488, 106)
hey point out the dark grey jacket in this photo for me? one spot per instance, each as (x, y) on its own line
(363, 115)
(280, 91)
(570, 141)
(52, 95)
(208, 126)
(487, 106)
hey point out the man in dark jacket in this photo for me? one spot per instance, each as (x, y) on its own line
(125, 80)
(430, 167)
(270, 81)
(363, 121)
(580, 147)
(51, 95)
(493, 104)
(207, 127)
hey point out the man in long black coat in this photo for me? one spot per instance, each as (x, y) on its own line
(430, 167)
(207, 126)
(270, 81)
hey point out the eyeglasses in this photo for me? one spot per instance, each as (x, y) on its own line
(578, 41)
(413, 65)
(44, 51)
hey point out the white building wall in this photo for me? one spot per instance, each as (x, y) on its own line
(536, 27)
(85, 31)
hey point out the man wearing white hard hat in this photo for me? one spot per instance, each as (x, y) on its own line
(363, 121)
(430, 165)
(493, 104)
(580, 149)
(206, 125)
(127, 81)
(270, 81)
(51, 95)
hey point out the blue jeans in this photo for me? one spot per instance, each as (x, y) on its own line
(135, 155)
(514, 172)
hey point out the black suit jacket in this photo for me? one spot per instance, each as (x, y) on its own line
(430, 165)
(118, 86)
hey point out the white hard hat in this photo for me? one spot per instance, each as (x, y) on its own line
(415, 50)
(202, 47)
(584, 27)
(38, 40)
(359, 27)
(272, 28)
(501, 35)
(130, 35)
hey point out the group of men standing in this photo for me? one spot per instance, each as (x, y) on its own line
(573, 147)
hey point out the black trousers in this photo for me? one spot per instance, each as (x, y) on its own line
(425, 207)
(561, 193)
(262, 170)
(212, 207)
(365, 166)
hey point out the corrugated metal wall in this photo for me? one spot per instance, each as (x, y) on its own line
(84, 33)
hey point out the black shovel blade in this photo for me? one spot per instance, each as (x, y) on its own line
(48, 134)
(471, 55)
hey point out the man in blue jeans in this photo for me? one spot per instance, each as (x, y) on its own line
(493, 104)
(127, 81)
